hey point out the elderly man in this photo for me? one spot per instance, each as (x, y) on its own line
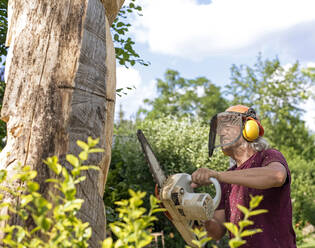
(257, 170)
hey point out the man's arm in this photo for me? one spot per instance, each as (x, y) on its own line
(272, 175)
(214, 227)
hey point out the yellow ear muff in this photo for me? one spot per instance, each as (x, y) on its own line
(251, 130)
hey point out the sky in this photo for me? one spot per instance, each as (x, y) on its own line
(205, 38)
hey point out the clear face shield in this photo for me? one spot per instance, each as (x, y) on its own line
(225, 130)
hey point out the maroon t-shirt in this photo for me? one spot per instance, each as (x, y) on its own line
(277, 223)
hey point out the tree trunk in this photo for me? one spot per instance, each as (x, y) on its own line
(60, 87)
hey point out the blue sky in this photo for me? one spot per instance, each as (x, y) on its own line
(204, 38)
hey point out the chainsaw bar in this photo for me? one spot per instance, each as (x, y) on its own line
(157, 172)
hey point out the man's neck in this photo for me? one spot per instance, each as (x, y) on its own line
(242, 154)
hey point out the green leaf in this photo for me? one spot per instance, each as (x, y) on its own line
(52, 180)
(83, 145)
(83, 155)
(120, 24)
(53, 164)
(65, 173)
(80, 179)
(24, 214)
(3, 175)
(232, 228)
(32, 186)
(46, 224)
(73, 160)
(145, 241)
(26, 199)
(94, 150)
(245, 223)
(73, 205)
(92, 142)
(91, 167)
(234, 243)
(70, 193)
(20, 234)
(246, 233)
(255, 201)
(158, 210)
(259, 211)
(244, 210)
(42, 204)
(107, 243)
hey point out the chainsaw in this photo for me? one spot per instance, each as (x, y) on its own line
(183, 206)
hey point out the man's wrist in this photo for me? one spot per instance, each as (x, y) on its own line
(218, 175)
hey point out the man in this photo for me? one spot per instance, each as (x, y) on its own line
(257, 171)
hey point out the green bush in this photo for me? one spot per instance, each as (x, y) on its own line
(132, 229)
(54, 220)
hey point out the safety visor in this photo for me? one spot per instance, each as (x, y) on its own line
(225, 130)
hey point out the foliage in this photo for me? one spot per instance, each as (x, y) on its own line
(180, 145)
(179, 97)
(3, 28)
(201, 238)
(3, 127)
(276, 92)
(302, 190)
(124, 45)
(54, 221)
(239, 232)
(132, 229)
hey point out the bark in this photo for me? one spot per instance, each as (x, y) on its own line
(61, 81)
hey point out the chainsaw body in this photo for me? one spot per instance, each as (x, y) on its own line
(183, 205)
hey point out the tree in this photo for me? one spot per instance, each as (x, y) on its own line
(124, 45)
(3, 27)
(60, 88)
(124, 50)
(276, 92)
(178, 96)
(3, 127)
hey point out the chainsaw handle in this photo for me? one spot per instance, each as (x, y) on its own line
(217, 198)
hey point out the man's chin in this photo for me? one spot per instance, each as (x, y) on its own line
(226, 150)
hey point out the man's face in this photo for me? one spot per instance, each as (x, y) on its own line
(228, 129)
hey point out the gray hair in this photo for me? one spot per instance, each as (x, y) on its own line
(258, 145)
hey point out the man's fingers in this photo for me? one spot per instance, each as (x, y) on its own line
(201, 177)
(194, 185)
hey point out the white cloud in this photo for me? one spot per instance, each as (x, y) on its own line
(127, 77)
(310, 64)
(134, 97)
(187, 29)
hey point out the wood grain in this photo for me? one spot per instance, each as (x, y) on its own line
(60, 87)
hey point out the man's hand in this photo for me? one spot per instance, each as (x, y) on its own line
(201, 177)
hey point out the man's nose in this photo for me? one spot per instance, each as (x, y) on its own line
(223, 131)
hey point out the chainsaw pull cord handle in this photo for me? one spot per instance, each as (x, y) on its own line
(217, 198)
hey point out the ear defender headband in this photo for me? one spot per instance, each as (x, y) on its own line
(252, 127)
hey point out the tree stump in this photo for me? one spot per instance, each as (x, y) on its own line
(60, 87)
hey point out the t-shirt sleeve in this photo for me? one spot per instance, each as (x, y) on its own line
(272, 155)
